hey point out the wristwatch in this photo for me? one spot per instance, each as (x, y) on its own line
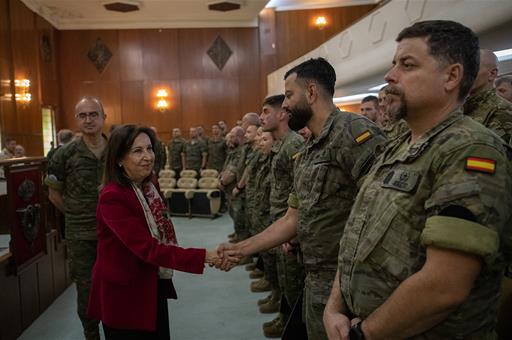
(356, 332)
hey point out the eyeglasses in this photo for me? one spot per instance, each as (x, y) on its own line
(84, 115)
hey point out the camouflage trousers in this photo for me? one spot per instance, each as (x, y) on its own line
(270, 267)
(291, 276)
(237, 213)
(317, 288)
(82, 255)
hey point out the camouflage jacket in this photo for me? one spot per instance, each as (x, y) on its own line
(194, 151)
(281, 172)
(160, 156)
(492, 111)
(76, 172)
(175, 148)
(411, 199)
(216, 153)
(393, 130)
(326, 180)
(258, 193)
(232, 160)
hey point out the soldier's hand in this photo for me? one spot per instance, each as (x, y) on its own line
(229, 254)
(235, 192)
(337, 325)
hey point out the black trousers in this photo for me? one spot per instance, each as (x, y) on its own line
(162, 323)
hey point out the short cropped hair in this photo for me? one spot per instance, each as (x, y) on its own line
(65, 136)
(503, 80)
(119, 144)
(274, 101)
(318, 70)
(373, 99)
(449, 42)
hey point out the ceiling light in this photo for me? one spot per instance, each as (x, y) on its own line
(353, 99)
(504, 55)
(377, 88)
(320, 22)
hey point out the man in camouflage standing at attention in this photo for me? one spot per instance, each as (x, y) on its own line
(74, 176)
(424, 249)
(160, 154)
(484, 105)
(228, 177)
(194, 152)
(216, 150)
(338, 155)
(286, 146)
(175, 148)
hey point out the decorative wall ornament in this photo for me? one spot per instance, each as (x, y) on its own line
(46, 48)
(219, 52)
(99, 55)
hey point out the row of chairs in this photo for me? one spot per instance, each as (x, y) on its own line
(189, 196)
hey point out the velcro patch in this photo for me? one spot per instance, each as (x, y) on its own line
(363, 137)
(481, 164)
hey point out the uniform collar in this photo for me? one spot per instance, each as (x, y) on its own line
(415, 149)
(326, 129)
(472, 102)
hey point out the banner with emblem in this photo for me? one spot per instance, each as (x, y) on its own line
(25, 213)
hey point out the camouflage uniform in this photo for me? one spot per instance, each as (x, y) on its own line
(194, 151)
(216, 153)
(393, 130)
(175, 148)
(492, 111)
(409, 201)
(290, 270)
(76, 172)
(160, 156)
(234, 203)
(246, 156)
(495, 113)
(326, 176)
(258, 208)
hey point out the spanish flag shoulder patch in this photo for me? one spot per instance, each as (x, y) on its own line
(363, 137)
(481, 164)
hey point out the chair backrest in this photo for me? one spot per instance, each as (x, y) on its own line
(209, 173)
(187, 183)
(208, 183)
(166, 183)
(167, 173)
(188, 173)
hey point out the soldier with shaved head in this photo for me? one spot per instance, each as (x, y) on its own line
(484, 105)
(74, 176)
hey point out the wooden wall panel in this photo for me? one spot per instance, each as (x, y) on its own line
(29, 294)
(25, 61)
(10, 313)
(296, 34)
(174, 59)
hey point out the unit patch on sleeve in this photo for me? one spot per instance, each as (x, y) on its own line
(363, 137)
(481, 164)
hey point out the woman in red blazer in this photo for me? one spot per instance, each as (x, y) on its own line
(137, 248)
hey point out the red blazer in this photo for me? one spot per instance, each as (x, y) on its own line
(124, 278)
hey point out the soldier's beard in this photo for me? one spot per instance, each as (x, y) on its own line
(299, 116)
(396, 103)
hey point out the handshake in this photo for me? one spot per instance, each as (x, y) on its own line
(224, 257)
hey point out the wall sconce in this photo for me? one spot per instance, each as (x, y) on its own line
(22, 94)
(320, 22)
(162, 103)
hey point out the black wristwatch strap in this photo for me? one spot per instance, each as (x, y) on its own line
(356, 332)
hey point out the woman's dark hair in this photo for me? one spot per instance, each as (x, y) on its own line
(119, 144)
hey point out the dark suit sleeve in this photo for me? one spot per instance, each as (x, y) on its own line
(129, 225)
